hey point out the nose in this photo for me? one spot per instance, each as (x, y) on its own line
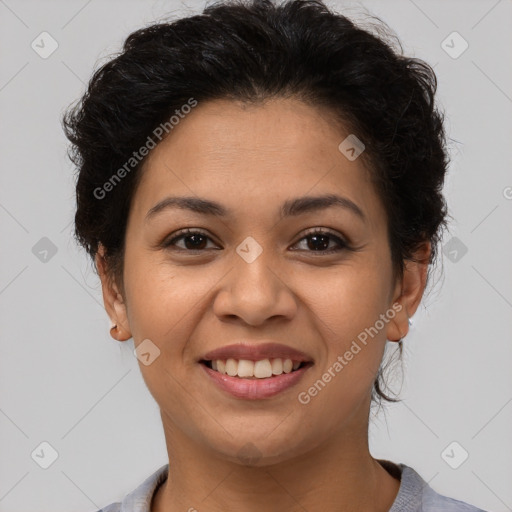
(254, 293)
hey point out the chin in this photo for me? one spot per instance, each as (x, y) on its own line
(259, 451)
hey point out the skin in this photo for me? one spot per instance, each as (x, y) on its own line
(313, 456)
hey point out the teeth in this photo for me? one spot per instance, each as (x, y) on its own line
(277, 366)
(261, 369)
(231, 367)
(245, 368)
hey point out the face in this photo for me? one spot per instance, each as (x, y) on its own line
(312, 276)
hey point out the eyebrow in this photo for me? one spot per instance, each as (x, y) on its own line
(291, 207)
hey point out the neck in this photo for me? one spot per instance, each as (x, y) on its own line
(338, 476)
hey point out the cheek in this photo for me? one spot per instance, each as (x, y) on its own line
(159, 299)
(164, 304)
(347, 311)
(346, 299)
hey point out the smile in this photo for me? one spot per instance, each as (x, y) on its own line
(253, 380)
(245, 368)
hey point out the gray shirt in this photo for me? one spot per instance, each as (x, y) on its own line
(414, 495)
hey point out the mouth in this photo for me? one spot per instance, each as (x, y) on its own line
(258, 369)
(253, 372)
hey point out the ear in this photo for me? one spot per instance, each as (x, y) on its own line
(408, 292)
(113, 299)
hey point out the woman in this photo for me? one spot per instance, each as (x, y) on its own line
(260, 188)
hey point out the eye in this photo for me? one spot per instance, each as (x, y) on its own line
(193, 240)
(319, 240)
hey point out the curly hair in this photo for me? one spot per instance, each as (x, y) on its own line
(251, 51)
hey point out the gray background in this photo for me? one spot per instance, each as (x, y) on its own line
(63, 380)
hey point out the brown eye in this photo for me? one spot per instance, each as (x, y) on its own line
(192, 240)
(322, 241)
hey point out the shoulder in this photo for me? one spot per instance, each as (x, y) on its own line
(113, 507)
(139, 500)
(432, 501)
(416, 495)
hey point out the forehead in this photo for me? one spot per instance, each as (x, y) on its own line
(242, 154)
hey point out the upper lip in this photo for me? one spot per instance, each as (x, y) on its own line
(253, 352)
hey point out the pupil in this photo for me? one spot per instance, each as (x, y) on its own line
(196, 244)
(316, 238)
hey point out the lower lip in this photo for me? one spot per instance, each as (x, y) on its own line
(255, 389)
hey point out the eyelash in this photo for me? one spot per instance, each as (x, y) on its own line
(343, 245)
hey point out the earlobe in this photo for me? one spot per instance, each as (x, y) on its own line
(113, 300)
(415, 278)
(122, 332)
(119, 334)
(410, 292)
